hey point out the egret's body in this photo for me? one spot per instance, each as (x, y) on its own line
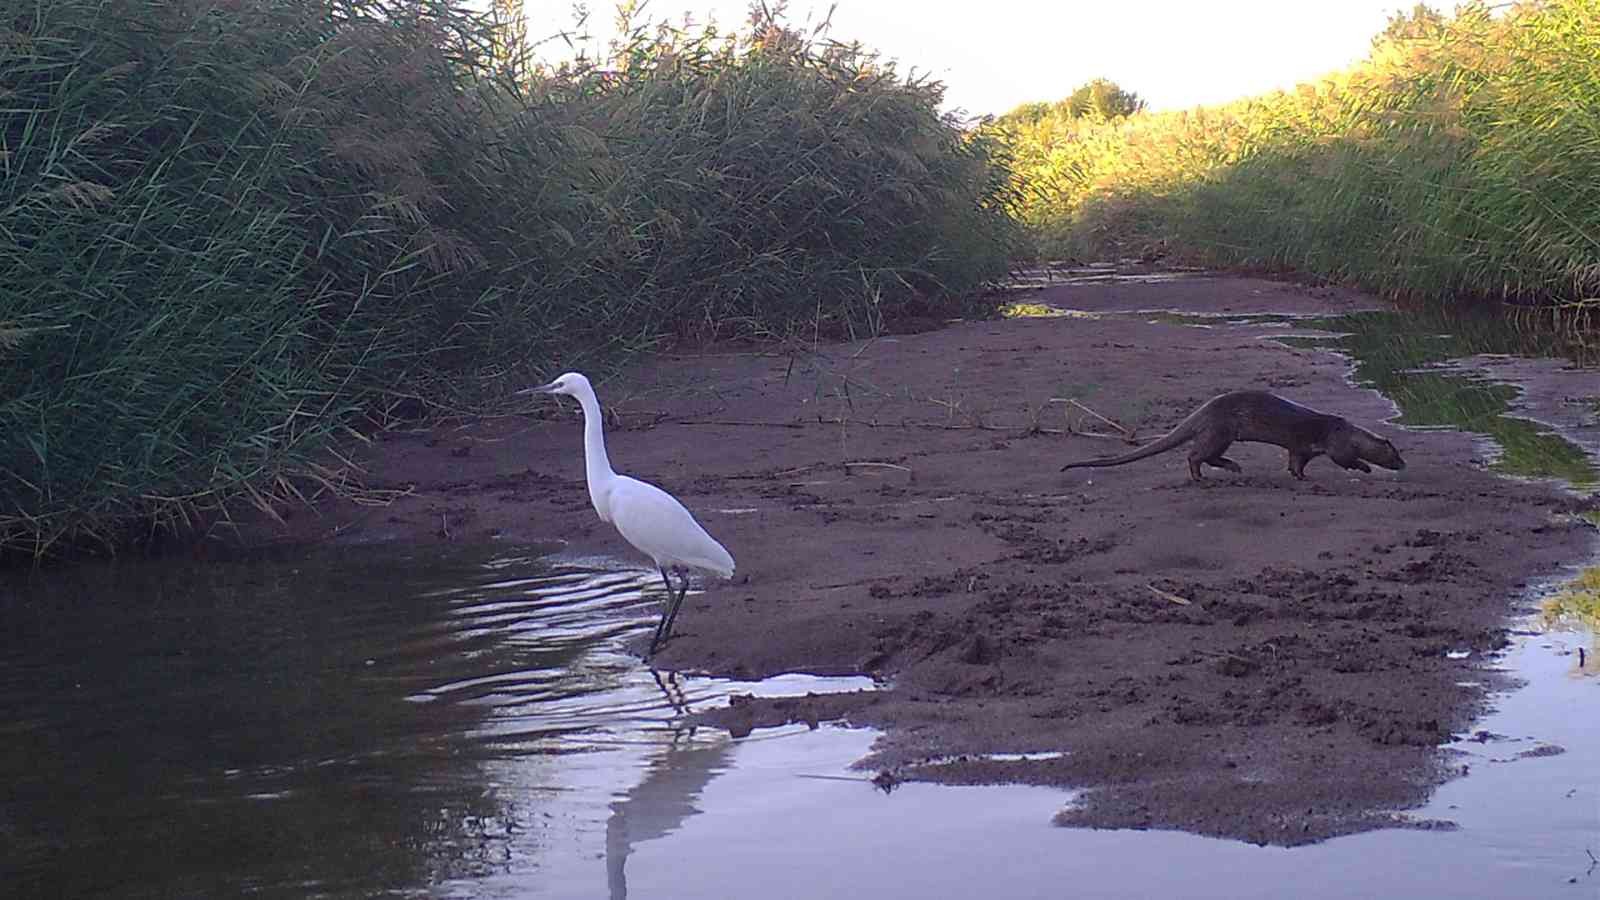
(646, 516)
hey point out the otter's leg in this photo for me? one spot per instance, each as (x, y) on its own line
(1297, 463)
(1208, 446)
(1348, 458)
(1222, 462)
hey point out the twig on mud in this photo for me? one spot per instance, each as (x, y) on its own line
(744, 424)
(1112, 422)
(1219, 654)
(781, 473)
(1168, 595)
(878, 465)
(643, 419)
(1125, 432)
(381, 496)
(859, 779)
(844, 584)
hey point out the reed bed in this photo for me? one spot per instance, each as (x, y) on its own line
(1460, 160)
(236, 233)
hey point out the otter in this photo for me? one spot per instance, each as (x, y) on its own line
(1268, 419)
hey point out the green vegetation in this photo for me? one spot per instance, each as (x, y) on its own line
(1579, 601)
(234, 231)
(1459, 159)
(1395, 352)
(1098, 100)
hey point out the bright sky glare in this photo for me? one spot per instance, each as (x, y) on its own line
(994, 55)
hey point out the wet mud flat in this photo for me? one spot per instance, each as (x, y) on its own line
(1251, 657)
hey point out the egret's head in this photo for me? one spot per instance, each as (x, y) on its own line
(572, 384)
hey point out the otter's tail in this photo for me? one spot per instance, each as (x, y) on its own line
(1177, 437)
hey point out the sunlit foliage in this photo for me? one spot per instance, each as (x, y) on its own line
(1579, 600)
(1462, 158)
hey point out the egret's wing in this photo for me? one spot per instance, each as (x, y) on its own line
(655, 522)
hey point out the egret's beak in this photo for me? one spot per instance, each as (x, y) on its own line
(541, 389)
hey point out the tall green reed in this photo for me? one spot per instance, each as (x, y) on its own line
(1459, 159)
(236, 231)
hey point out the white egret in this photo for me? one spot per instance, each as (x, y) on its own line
(649, 518)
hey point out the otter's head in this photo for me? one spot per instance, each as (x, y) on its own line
(1380, 452)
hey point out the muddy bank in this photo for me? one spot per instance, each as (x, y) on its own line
(1251, 657)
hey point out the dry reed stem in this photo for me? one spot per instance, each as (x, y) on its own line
(1168, 595)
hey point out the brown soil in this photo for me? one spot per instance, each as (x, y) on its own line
(1300, 692)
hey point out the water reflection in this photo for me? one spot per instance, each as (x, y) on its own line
(659, 804)
(351, 725)
(1398, 354)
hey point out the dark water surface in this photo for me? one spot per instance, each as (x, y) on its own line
(345, 725)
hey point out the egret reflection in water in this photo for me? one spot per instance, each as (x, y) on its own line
(348, 718)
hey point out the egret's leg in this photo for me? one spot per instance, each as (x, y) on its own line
(666, 608)
(672, 691)
(665, 604)
(664, 630)
(677, 603)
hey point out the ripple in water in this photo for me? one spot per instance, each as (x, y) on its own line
(347, 725)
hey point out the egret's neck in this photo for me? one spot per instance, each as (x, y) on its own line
(597, 466)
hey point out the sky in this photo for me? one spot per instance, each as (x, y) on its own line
(995, 54)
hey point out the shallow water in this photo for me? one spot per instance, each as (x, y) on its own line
(467, 725)
(1526, 825)
(346, 725)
